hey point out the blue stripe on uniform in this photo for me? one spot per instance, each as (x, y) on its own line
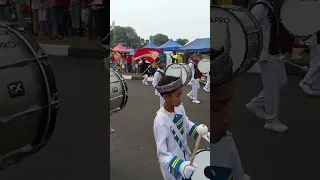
(174, 166)
(193, 132)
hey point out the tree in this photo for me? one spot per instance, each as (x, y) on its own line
(126, 36)
(182, 42)
(159, 39)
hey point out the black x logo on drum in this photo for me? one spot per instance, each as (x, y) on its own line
(114, 89)
(16, 89)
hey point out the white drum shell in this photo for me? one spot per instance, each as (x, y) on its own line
(245, 34)
(204, 66)
(118, 92)
(202, 159)
(34, 108)
(178, 70)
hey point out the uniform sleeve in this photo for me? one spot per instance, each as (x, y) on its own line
(259, 12)
(156, 79)
(166, 159)
(191, 127)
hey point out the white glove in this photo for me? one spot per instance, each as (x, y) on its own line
(307, 42)
(186, 170)
(207, 137)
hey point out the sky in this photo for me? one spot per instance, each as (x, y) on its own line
(187, 19)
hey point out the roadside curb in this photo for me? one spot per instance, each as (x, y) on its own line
(66, 50)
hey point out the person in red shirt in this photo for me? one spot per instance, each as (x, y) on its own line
(129, 62)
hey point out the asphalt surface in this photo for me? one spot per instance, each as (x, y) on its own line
(79, 148)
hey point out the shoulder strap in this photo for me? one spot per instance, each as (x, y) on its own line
(160, 72)
(182, 139)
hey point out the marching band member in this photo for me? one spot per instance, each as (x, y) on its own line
(157, 76)
(311, 82)
(273, 73)
(207, 86)
(193, 94)
(145, 72)
(226, 162)
(171, 126)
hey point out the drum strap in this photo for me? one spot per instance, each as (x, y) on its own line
(274, 30)
(181, 138)
(160, 72)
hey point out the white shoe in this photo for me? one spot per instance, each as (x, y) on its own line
(146, 84)
(196, 101)
(275, 125)
(307, 89)
(256, 109)
(206, 90)
(190, 95)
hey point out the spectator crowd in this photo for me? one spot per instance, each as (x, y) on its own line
(59, 19)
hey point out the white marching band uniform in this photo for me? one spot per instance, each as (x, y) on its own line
(193, 94)
(157, 76)
(311, 82)
(273, 75)
(172, 154)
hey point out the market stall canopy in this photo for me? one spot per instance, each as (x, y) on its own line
(120, 48)
(198, 45)
(151, 45)
(170, 45)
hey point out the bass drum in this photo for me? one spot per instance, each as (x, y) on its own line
(204, 66)
(118, 92)
(179, 70)
(28, 96)
(300, 17)
(245, 36)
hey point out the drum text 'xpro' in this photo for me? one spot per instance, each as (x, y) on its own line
(7, 45)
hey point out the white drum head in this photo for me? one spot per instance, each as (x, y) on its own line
(219, 18)
(301, 18)
(204, 66)
(202, 159)
(177, 70)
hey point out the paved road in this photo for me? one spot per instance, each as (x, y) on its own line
(79, 148)
(266, 155)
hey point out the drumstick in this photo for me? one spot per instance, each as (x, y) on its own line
(202, 130)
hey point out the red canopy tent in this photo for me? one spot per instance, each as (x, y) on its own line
(120, 48)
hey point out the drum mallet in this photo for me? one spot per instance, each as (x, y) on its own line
(284, 59)
(202, 130)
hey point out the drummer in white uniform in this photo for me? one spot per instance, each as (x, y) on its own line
(273, 73)
(193, 94)
(311, 82)
(171, 126)
(157, 76)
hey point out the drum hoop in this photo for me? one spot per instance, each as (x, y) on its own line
(205, 149)
(126, 92)
(246, 34)
(282, 2)
(44, 77)
(182, 67)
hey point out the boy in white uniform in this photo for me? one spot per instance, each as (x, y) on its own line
(157, 76)
(170, 128)
(193, 94)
